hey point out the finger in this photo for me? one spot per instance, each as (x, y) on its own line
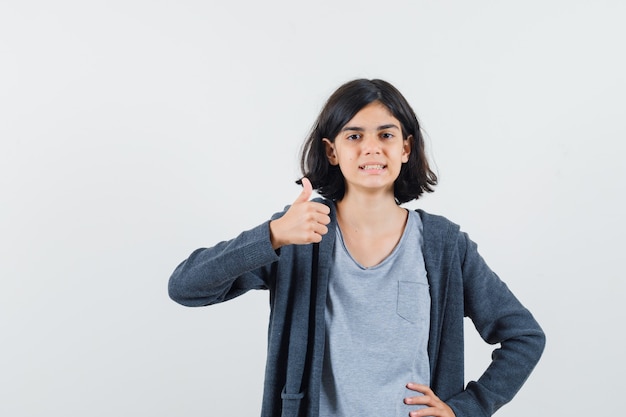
(424, 389)
(307, 190)
(434, 405)
(320, 229)
(421, 400)
(322, 218)
(428, 397)
(316, 225)
(430, 412)
(313, 234)
(315, 212)
(321, 208)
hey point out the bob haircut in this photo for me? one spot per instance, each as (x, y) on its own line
(415, 175)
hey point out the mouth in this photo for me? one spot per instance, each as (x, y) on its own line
(375, 167)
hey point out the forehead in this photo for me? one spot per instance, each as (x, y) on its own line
(374, 114)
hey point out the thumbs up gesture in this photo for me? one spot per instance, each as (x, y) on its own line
(304, 222)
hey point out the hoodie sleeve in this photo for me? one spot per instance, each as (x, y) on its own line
(226, 270)
(501, 319)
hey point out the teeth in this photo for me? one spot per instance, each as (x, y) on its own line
(373, 166)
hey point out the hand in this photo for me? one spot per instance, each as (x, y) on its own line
(304, 222)
(434, 406)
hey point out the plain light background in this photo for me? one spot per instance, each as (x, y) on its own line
(133, 132)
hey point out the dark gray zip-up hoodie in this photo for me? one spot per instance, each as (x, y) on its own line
(461, 284)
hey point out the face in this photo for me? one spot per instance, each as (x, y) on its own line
(370, 150)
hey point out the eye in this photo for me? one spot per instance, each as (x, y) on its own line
(386, 135)
(354, 136)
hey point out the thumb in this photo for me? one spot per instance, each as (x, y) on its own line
(307, 190)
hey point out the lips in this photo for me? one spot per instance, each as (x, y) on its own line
(372, 166)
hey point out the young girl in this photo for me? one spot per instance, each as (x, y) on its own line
(368, 298)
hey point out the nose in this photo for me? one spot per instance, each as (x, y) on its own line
(370, 145)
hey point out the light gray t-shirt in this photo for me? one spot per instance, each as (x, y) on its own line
(377, 324)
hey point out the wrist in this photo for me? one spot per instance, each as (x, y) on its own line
(275, 242)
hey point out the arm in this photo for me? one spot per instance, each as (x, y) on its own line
(225, 271)
(499, 318)
(231, 268)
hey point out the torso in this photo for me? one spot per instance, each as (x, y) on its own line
(378, 316)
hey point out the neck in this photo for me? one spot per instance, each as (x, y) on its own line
(369, 213)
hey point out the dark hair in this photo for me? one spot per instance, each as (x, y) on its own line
(415, 175)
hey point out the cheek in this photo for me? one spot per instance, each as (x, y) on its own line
(346, 157)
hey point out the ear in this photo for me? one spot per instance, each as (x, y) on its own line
(406, 148)
(330, 151)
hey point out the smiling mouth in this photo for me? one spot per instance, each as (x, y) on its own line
(372, 167)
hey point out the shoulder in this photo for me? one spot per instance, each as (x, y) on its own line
(441, 234)
(437, 224)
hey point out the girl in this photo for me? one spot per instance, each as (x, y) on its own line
(368, 298)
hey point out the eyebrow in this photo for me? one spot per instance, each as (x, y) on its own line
(360, 129)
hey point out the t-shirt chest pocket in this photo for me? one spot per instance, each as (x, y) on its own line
(413, 301)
